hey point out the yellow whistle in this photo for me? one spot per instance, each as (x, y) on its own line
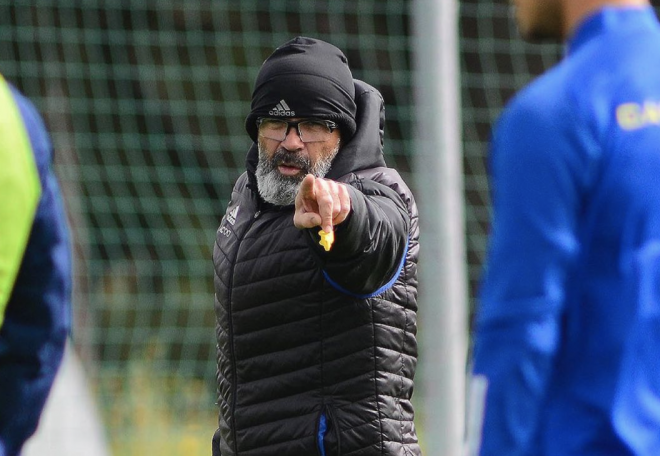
(327, 239)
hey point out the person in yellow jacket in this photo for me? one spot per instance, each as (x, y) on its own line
(35, 270)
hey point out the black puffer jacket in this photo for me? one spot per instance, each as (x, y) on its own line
(316, 350)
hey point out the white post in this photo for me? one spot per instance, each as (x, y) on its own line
(438, 174)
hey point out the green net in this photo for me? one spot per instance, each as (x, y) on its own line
(495, 63)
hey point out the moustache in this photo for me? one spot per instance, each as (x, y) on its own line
(286, 158)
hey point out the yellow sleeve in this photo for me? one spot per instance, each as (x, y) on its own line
(20, 190)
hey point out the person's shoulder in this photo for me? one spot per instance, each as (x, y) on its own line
(541, 120)
(35, 127)
(544, 90)
(31, 116)
(543, 101)
(606, 64)
(242, 181)
(384, 175)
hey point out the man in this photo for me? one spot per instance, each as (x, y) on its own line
(35, 270)
(566, 358)
(316, 337)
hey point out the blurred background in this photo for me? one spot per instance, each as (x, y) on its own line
(145, 101)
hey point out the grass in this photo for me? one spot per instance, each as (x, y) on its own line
(148, 412)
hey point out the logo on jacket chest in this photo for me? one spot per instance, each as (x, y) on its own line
(226, 232)
(232, 215)
(633, 116)
(229, 218)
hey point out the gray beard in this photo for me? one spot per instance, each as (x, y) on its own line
(281, 190)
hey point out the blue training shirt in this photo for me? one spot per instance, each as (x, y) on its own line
(567, 335)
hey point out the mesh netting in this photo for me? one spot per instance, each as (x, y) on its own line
(495, 64)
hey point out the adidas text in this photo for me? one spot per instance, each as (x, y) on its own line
(282, 109)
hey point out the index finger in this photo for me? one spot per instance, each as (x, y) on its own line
(306, 194)
(325, 202)
(307, 190)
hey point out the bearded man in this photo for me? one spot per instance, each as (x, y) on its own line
(316, 272)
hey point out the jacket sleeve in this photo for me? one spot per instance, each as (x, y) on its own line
(38, 316)
(370, 246)
(540, 168)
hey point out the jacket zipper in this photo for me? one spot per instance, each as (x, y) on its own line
(322, 430)
(331, 416)
(327, 419)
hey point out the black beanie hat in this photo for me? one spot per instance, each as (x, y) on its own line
(305, 77)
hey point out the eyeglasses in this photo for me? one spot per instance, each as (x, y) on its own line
(309, 130)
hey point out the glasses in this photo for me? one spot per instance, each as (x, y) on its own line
(309, 130)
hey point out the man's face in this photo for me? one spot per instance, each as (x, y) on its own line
(283, 164)
(539, 19)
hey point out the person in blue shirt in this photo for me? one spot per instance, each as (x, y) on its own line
(566, 356)
(35, 270)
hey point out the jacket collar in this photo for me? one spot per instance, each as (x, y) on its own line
(610, 19)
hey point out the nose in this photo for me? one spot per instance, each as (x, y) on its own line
(292, 140)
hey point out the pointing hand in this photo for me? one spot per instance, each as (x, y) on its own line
(321, 202)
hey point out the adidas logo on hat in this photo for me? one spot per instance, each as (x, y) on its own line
(282, 109)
